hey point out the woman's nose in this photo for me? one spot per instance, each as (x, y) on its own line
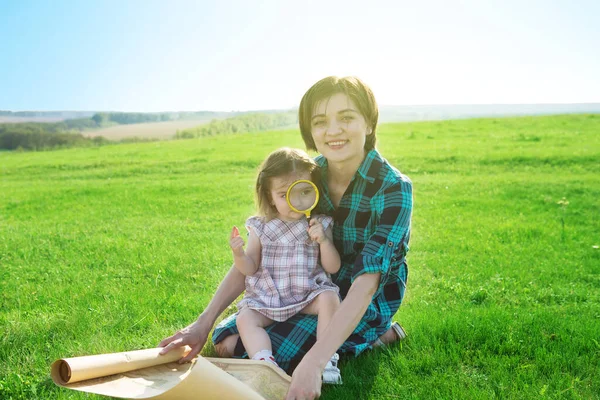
(334, 128)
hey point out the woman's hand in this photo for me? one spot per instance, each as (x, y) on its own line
(193, 335)
(316, 231)
(306, 381)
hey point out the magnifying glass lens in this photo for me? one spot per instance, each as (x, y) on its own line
(302, 196)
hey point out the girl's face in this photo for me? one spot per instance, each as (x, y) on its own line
(339, 130)
(279, 187)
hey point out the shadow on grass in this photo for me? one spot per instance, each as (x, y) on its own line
(360, 374)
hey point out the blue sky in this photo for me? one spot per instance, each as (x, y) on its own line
(244, 55)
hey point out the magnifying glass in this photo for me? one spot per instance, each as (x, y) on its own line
(302, 196)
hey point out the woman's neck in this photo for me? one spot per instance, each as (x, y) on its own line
(343, 171)
(339, 175)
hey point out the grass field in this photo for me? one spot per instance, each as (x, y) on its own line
(154, 130)
(113, 248)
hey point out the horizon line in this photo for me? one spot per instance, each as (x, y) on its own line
(296, 107)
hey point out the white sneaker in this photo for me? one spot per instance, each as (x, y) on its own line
(265, 355)
(331, 374)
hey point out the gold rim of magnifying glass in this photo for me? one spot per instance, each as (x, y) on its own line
(308, 210)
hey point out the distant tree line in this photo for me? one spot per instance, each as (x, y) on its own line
(200, 115)
(103, 119)
(46, 114)
(176, 115)
(43, 136)
(68, 133)
(123, 118)
(252, 122)
(19, 113)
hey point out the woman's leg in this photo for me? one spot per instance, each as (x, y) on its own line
(388, 337)
(289, 339)
(392, 335)
(251, 324)
(324, 306)
(226, 347)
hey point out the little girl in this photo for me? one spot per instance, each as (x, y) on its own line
(287, 261)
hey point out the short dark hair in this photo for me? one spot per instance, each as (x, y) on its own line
(351, 86)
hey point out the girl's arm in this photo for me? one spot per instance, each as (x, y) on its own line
(330, 258)
(306, 379)
(246, 262)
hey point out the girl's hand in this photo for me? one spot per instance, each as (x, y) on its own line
(236, 242)
(315, 231)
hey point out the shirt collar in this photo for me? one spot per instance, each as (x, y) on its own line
(370, 166)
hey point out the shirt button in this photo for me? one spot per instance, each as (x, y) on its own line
(390, 244)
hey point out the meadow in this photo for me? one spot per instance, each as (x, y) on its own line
(113, 248)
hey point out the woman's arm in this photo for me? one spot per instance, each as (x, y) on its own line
(230, 288)
(196, 334)
(306, 379)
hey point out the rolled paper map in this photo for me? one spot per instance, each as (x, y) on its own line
(145, 374)
(76, 369)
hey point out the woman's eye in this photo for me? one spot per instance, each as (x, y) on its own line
(319, 122)
(347, 118)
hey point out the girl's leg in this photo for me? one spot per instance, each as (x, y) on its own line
(251, 324)
(324, 306)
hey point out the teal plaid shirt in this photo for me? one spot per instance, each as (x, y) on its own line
(371, 232)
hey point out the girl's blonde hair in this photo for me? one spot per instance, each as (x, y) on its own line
(281, 162)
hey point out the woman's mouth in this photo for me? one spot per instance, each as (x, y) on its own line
(338, 144)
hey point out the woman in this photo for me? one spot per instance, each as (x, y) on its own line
(371, 203)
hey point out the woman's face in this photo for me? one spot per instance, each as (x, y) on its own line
(339, 129)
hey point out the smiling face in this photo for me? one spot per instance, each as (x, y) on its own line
(361, 98)
(339, 130)
(278, 188)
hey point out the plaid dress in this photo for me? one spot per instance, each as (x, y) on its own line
(371, 232)
(289, 276)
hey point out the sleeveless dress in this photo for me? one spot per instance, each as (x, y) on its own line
(290, 275)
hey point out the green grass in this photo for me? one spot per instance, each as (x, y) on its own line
(113, 248)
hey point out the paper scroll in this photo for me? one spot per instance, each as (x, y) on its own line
(144, 374)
